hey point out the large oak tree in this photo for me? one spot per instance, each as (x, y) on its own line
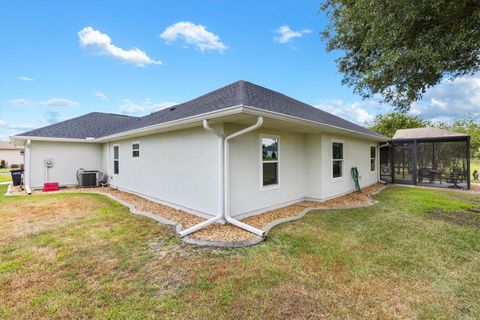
(400, 48)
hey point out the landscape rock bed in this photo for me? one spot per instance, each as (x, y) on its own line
(228, 233)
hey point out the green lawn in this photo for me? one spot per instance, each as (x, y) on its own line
(415, 255)
(5, 178)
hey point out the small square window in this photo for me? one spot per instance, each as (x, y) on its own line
(136, 150)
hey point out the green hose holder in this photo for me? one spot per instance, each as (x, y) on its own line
(354, 172)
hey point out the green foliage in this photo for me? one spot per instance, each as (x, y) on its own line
(468, 124)
(388, 124)
(3, 164)
(398, 49)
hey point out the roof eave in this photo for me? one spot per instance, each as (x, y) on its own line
(174, 123)
(18, 139)
(197, 118)
(281, 116)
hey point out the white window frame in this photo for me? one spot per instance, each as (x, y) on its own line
(271, 186)
(139, 154)
(342, 177)
(376, 156)
(113, 150)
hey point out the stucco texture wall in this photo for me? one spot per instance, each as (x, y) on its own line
(179, 168)
(68, 158)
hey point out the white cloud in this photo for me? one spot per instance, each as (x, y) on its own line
(450, 99)
(358, 112)
(21, 102)
(100, 95)
(193, 34)
(285, 35)
(3, 124)
(101, 43)
(59, 102)
(52, 117)
(26, 79)
(21, 126)
(129, 107)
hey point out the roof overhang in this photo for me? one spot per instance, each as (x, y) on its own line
(21, 140)
(196, 120)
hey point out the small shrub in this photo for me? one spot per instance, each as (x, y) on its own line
(14, 166)
(3, 164)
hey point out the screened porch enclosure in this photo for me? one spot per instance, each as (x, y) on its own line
(428, 162)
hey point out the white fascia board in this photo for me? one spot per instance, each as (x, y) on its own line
(281, 116)
(200, 117)
(35, 138)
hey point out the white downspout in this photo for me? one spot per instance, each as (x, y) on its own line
(27, 166)
(219, 214)
(224, 210)
(226, 177)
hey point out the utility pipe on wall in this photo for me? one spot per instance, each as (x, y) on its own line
(224, 195)
(219, 214)
(27, 166)
(226, 177)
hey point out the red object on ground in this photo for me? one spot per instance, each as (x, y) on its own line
(50, 186)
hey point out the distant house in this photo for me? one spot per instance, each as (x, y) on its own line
(240, 150)
(10, 153)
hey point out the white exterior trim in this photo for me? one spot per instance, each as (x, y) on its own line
(113, 158)
(376, 158)
(27, 165)
(272, 186)
(281, 116)
(200, 117)
(139, 150)
(342, 177)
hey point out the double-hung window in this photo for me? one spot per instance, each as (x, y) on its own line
(116, 159)
(337, 160)
(373, 157)
(136, 149)
(270, 158)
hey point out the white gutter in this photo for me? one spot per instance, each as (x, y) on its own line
(165, 125)
(224, 200)
(220, 214)
(26, 169)
(281, 116)
(226, 177)
(36, 138)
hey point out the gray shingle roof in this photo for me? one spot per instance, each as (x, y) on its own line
(90, 125)
(237, 93)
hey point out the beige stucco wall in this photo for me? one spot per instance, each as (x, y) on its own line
(305, 170)
(68, 158)
(179, 168)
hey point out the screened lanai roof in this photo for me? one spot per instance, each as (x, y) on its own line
(425, 133)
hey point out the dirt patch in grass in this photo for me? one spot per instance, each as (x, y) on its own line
(19, 219)
(469, 216)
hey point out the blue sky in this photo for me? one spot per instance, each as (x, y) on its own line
(60, 59)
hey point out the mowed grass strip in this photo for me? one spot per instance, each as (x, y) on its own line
(386, 261)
